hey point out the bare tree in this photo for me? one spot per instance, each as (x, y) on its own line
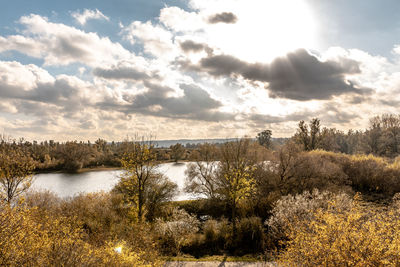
(201, 173)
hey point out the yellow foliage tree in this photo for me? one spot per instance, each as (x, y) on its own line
(235, 182)
(141, 184)
(15, 172)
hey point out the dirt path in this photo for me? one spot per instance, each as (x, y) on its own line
(218, 264)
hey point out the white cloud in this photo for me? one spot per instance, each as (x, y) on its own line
(178, 19)
(88, 14)
(156, 40)
(59, 44)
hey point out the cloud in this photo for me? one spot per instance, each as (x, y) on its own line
(194, 104)
(299, 75)
(29, 84)
(88, 14)
(224, 17)
(191, 46)
(155, 39)
(121, 73)
(59, 44)
(179, 20)
(35, 92)
(232, 87)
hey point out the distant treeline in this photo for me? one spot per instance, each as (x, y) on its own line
(71, 156)
(381, 138)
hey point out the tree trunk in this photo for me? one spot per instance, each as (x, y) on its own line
(140, 202)
(234, 219)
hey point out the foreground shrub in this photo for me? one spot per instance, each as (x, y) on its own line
(249, 237)
(176, 230)
(360, 236)
(291, 210)
(102, 217)
(215, 239)
(29, 238)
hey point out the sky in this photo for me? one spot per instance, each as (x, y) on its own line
(187, 69)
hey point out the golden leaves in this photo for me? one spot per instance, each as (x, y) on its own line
(361, 236)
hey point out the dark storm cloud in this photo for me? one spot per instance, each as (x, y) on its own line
(299, 75)
(224, 17)
(120, 73)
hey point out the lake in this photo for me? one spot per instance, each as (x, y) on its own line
(68, 185)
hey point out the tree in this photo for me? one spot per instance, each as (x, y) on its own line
(201, 172)
(74, 155)
(161, 190)
(308, 135)
(15, 172)
(235, 180)
(383, 136)
(177, 151)
(264, 138)
(141, 181)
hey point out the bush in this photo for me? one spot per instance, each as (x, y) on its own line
(29, 238)
(175, 231)
(249, 236)
(101, 216)
(370, 174)
(361, 236)
(216, 235)
(290, 210)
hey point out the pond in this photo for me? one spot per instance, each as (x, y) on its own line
(68, 185)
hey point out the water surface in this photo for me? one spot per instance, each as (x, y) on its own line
(68, 185)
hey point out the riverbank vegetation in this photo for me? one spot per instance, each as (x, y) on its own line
(324, 197)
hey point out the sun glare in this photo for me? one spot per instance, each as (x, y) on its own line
(267, 29)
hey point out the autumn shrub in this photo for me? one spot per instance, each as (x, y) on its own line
(44, 201)
(212, 240)
(360, 236)
(29, 238)
(292, 209)
(102, 217)
(318, 169)
(249, 237)
(203, 207)
(96, 213)
(176, 230)
(370, 174)
(216, 234)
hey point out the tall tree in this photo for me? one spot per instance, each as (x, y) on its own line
(141, 184)
(264, 138)
(309, 135)
(235, 180)
(139, 164)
